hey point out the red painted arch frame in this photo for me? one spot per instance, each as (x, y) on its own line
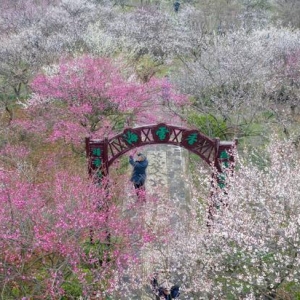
(102, 153)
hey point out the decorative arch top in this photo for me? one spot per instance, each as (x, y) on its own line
(102, 153)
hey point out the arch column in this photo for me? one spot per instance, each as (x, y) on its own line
(97, 153)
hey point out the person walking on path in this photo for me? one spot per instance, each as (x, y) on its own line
(138, 176)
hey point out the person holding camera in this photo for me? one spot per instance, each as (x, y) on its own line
(138, 176)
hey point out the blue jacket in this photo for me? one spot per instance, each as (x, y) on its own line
(139, 170)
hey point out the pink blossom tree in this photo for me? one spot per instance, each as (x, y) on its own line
(92, 97)
(62, 236)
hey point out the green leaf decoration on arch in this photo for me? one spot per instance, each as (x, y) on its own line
(130, 137)
(192, 138)
(97, 162)
(96, 152)
(224, 155)
(162, 132)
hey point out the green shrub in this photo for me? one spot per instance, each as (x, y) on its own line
(209, 125)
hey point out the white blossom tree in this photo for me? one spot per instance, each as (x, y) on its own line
(34, 35)
(236, 78)
(252, 249)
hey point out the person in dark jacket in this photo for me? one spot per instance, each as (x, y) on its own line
(162, 292)
(138, 176)
(167, 294)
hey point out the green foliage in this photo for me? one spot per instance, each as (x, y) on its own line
(146, 67)
(259, 4)
(268, 114)
(15, 291)
(123, 165)
(118, 122)
(292, 289)
(96, 249)
(72, 288)
(209, 125)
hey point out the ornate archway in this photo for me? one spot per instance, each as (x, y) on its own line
(102, 153)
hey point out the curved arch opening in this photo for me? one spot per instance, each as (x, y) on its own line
(102, 153)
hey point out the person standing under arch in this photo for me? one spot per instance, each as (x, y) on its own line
(138, 176)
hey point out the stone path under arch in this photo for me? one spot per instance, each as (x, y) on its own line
(166, 178)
